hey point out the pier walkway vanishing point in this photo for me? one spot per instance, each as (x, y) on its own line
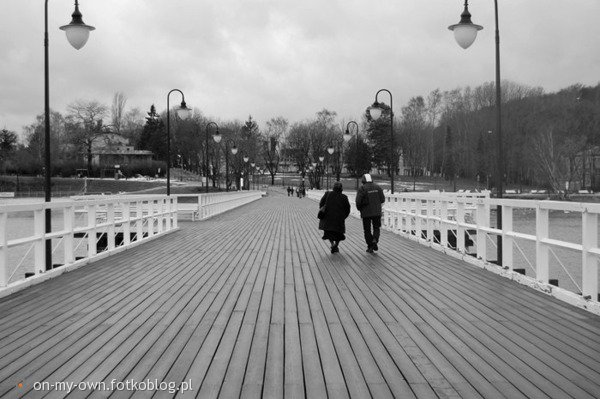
(251, 303)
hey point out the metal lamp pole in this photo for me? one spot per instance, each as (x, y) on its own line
(77, 34)
(375, 112)
(347, 137)
(330, 150)
(321, 159)
(465, 33)
(234, 151)
(183, 112)
(246, 182)
(217, 138)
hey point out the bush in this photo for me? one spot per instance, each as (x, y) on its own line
(145, 168)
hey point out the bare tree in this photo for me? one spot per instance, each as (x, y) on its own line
(276, 130)
(85, 125)
(117, 111)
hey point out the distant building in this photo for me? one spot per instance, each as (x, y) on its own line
(112, 149)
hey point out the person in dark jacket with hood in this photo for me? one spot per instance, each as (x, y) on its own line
(338, 209)
(368, 201)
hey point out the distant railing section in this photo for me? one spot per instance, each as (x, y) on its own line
(203, 206)
(83, 229)
(544, 244)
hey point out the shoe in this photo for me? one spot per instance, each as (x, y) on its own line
(334, 248)
(374, 245)
(370, 250)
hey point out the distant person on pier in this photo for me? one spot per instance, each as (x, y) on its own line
(368, 201)
(337, 210)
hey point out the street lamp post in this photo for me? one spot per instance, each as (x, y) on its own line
(234, 151)
(77, 34)
(321, 159)
(465, 33)
(252, 165)
(183, 112)
(347, 137)
(375, 112)
(216, 138)
(246, 182)
(330, 150)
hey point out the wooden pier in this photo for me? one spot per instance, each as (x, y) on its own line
(251, 303)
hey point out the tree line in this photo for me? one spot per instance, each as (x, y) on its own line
(549, 139)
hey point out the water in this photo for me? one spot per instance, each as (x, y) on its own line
(21, 258)
(564, 226)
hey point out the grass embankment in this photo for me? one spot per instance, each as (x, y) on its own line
(64, 186)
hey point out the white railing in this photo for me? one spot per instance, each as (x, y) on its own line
(544, 244)
(83, 230)
(548, 245)
(203, 206)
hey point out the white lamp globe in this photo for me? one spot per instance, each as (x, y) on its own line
(77, 31)
(375, 111)
(465, 31)
(183, 111)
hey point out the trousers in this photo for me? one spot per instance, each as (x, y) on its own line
(375, 222)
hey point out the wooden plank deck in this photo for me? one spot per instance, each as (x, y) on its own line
(252, 304)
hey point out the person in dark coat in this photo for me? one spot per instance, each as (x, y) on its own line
(368, 201)
(338, 209)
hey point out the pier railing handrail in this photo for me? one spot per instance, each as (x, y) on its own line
(204, 206)
(105, 224)
(112, 223)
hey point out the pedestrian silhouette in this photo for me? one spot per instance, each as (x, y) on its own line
(337, 210)
(368, 201)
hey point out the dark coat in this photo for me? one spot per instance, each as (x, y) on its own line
(369, 199)
(338, 209)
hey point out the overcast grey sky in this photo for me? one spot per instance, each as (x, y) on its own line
(286, 58)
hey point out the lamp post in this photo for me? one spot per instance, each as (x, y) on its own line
(234, 151)
(77, 34)
(246, 159)
(216, 138)
(347, 137)
(375, 112)
(465, 33)
(330, 150)
(184, 113)
(252, 165)
(321, 159)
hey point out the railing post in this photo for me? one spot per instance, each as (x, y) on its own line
(589, 265)
(150, 218)
(418, 225)
(139, 222)
(110, 218)
(430, 220)
(39, 249)
(460, 230)
(507, 241)
(91, 225)
(541, 249)
(126, 216)
(69, 238)
(483, 220)
(3, 250)
(444, 223)
(161, 205)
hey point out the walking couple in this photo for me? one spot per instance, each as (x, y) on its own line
(368, 201)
